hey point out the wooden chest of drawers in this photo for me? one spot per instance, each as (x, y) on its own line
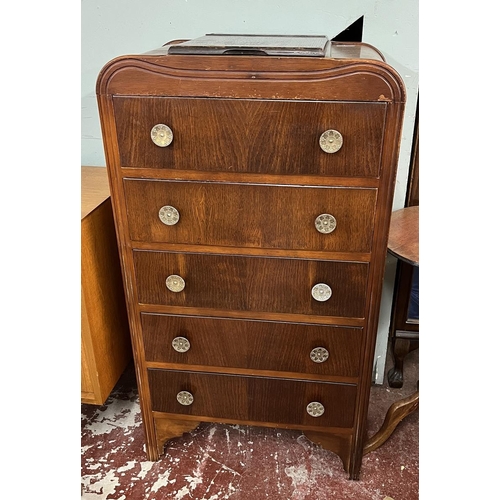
(252, 198)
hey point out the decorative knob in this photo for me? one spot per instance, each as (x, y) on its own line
(315, 409)
(168, 215)
(175, 283)
(325, 223)
(331, 141)
(162, 135)
(181, 344)
(321, 292)
(185, 398)
(319, 354)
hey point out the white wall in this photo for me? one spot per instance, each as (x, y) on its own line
(113, 28)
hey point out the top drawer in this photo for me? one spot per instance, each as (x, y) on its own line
(256, 136)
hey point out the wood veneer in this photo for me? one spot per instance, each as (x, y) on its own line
(105, 337)
(232, 214)
(234, 135)
(252, 398)
(256, 345)
(251, 283)
(247, 128)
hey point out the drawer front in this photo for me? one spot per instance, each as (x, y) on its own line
(238, 135)
(249, 215)
(259, 345)
(253, 398)
(251, 283)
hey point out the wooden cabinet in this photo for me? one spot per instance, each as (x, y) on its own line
(404, 328)
(106, 348)
(252, 197)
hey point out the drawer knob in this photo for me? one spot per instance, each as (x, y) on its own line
(315, 409)
(185, 398)
(331, 141)
(319, 354)
(321, 292)
(325, 223)
(175, 283)
(162, 135)
(181, 344)
(168, 215)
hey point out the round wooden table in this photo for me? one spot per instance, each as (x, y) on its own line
(403, 235)
(403, 243)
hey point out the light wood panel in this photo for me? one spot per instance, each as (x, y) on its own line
(105, 336)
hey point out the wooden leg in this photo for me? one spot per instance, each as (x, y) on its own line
(400, 348)
(167, 428)
(340, 445)
(397, 412)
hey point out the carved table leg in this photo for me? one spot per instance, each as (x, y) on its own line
(400, 348)
(397, 412)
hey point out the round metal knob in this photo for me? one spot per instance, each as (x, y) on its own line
(181, 344)
(315, 409)
(325, 223)
(331, 141)
(168, 215)
(321, 292)
(162, 135)
(185, 398)
(319, 354)
(175, 283)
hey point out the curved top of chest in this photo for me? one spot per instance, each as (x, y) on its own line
(158, 73)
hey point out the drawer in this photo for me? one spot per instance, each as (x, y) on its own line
(251, 283)
(251, 135)
(251, 215)
(259, 345)
(260, 399)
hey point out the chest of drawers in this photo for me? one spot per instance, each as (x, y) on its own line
(252, 198)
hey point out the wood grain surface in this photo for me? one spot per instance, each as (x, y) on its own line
(256, 345)
(253, 398)
(94, 188)
(404, 234)
(106, 349)
(251, 283)
(235, 135)
(238, 124)
(251, 215)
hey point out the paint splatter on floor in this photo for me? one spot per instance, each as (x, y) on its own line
(218, 462)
